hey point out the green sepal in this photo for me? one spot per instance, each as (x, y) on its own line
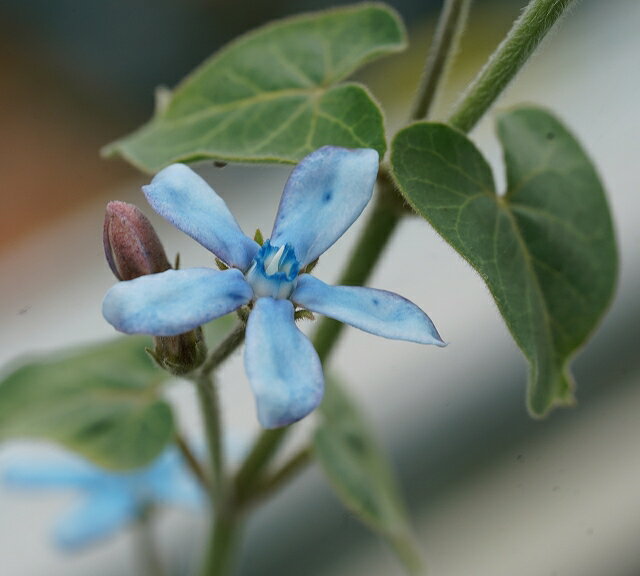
(303, 314)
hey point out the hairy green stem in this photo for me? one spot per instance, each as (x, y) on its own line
(444, 45)
(193, 462)
(219, 549)
(298, 462)
(220, 552)
(524, 37)
(208, 399)
(227, 347)
(250, 473)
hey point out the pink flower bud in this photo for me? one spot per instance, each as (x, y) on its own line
(133, 249)
(131, 245)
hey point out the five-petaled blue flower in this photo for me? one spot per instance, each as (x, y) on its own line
(324, 195)
(111, 499)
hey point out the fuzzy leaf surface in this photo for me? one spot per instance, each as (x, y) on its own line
(361, 475)
(546, 248)
(102, 401)
(273, 95)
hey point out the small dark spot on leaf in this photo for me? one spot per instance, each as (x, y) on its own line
(520, 458)
(550, 135)
(355, 443)
(96, 428)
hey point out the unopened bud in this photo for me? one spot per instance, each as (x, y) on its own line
(131, 245)
(133, 249)
(180, 354)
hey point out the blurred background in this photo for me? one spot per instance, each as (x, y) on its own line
(490, 491)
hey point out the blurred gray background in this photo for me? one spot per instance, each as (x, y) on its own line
(491, 492)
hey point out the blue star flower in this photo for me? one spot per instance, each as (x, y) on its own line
(324, 195)
(111, 499)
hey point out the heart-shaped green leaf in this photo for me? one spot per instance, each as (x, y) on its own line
(271, 95)
(546, 249)
(361, 475)
(103, 402)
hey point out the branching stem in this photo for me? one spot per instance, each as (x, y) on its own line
(275, 481)
(193, 462)
(525, 35)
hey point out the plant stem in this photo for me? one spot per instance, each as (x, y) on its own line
(250, 472)
(208, 399)
(298, 462)
(524, 37)
(445, 41)
(220, 552)
(227, 347)
(193, 462)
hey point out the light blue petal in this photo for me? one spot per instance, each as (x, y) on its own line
(324, 195)
(377, 311)
(168, 481)
(96, 518)
(183, 198)
(174, 301)
(49, 472)
(282, 365)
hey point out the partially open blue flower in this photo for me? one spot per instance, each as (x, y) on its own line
(324, 195)
(110, 500)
